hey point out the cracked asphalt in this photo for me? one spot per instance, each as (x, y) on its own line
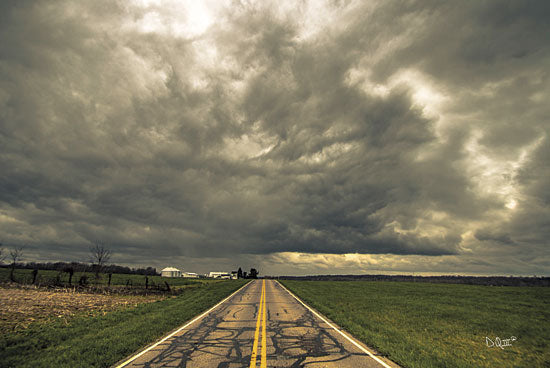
(295, 337)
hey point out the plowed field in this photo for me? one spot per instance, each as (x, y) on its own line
(21, 307)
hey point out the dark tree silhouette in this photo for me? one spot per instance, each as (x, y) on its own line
(240, 273)
(16, 254)
(100, 256)
(70, 271)
(253, 273)
(83, 281)
(34, 275)
(2, 254)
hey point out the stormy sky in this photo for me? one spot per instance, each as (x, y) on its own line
(297, 137)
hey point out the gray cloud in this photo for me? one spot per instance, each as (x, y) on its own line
(417, 130)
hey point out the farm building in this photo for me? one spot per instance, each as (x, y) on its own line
(220, 275)
(170, 272)
(190, 275)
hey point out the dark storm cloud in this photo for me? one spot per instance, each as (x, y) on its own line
(269, 132)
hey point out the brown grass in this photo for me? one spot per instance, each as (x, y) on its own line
(22, 306)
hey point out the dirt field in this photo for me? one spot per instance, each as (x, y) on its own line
(21, 307)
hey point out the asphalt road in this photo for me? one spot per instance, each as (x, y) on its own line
(262, 325)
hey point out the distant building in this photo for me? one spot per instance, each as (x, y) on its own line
(220, 275)
(190, 275)
(170, 272)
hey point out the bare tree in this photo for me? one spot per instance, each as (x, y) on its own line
(100, 256)
(16, 254)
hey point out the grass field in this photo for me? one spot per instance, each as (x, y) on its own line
(103, 339)
(24, 276)
(438, 325)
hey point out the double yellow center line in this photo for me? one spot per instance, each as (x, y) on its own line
(260, 323)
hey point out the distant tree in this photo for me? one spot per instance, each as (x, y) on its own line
(100, 256)
(70, 271)
(34, 275)
(16, 254)
(240, 273)
(245, 275)
(57, 281)
(2, 254)
(253, 273)
(83, 281)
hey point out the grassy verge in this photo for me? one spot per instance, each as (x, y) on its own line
(438, 325)
(102, 340)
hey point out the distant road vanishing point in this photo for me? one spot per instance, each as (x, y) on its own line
(260, 325)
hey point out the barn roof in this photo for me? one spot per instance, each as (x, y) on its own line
(170, 269)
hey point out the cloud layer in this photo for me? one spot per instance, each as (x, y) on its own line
(411, 133)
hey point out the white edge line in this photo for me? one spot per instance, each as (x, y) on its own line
(337, 330)
(132, 358)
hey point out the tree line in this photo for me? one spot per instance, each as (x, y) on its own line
(449, 279)
(100, 255)
(253, 274)
(86, 267)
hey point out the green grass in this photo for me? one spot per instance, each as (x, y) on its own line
(24, 276)
(438, 325)
(102, 340)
